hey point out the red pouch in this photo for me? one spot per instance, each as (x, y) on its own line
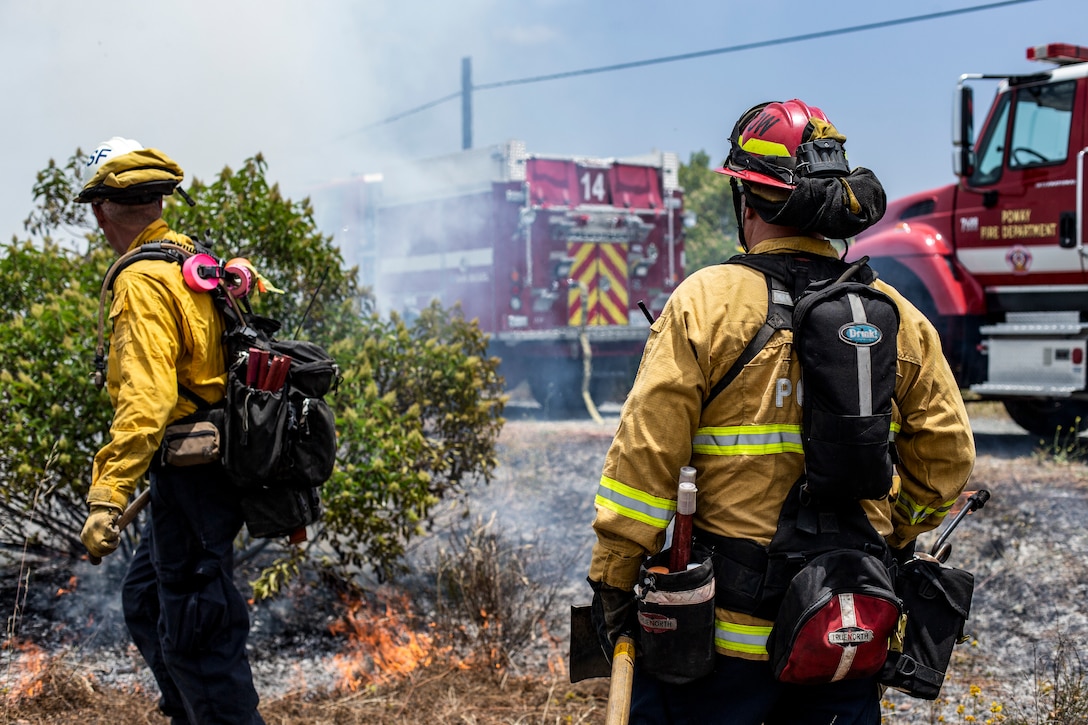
(836, 620)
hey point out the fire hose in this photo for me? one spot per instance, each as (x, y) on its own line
(128, 516)
(587, 358)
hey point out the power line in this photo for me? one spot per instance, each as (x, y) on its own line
(701, 54)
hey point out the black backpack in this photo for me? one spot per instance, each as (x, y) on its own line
(277, 431)
(844, 332)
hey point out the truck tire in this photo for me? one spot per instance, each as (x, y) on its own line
(1044, 417)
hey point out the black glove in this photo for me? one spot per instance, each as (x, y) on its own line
(904, 554)
(613, 612)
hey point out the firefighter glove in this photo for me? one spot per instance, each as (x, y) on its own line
(614, 612)
(100, 533)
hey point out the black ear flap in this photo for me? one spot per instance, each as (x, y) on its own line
(737, 191)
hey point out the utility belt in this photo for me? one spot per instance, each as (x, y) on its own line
(752, 579)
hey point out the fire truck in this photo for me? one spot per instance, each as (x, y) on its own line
(998, 260)
(563, 260)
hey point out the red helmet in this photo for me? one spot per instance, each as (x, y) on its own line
(776, 143)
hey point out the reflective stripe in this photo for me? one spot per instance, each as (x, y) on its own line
(849, 621)
(865, 361)
(748, 638)
(748, 440)
(762, 147)
(916, 513)
(634, 504)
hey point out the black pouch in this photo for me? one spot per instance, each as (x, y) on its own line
(285, 436)
(676, 617)
(845, 338)
(255, 424)
(936, 601)
(277, 511)
(836, 620)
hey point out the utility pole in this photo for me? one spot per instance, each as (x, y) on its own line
(466, 102)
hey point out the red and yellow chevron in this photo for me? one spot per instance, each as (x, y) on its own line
(601, 269)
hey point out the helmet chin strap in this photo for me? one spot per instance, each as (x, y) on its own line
(737, 191)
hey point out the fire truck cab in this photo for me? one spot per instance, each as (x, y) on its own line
(554, 256)
(998, 261)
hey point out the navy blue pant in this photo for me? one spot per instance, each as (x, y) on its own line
(744, 692)
(182, 609)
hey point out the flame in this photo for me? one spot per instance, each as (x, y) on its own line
(382, 648)
(557, 661)
(23, 679)
(70, 587)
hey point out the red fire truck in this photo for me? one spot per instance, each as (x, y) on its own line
(555, 256)
(998, 260)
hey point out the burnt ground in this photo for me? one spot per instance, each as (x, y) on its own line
(1027, 629)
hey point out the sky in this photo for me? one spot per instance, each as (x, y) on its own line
(213, 82)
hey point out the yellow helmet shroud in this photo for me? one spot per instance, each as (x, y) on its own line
(137, 177)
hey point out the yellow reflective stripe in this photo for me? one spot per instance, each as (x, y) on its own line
(747, 638)
(762, 147)
(915, 513)
(634, 504)
(748, 440)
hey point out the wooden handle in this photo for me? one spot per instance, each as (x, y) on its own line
(619, 690)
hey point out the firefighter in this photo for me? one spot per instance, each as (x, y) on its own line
(786, 202)
(181, 606)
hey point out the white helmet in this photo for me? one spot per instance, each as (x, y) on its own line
(106, 151)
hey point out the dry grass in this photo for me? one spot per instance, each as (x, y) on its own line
(59, 694)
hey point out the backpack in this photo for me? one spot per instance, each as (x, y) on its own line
(825, 578)
(844, 333)
(277, 433)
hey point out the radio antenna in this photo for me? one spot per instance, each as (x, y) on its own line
(313, 297)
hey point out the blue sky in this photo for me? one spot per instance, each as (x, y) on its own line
(212, 82)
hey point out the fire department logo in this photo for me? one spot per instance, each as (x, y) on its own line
(657, 623)
(850, 636)
(1019, 259)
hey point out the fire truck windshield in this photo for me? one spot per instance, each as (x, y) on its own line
(1041, 122)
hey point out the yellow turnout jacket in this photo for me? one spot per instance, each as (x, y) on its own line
(163, 334)
(746, 446)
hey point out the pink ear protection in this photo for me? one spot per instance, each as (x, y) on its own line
(239, 276)
(201, 272)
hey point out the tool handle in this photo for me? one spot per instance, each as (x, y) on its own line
(619, 689)
(128, 516)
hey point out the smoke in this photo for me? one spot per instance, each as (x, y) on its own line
(212, 83)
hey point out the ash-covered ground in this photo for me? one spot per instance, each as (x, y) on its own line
(1027, 548)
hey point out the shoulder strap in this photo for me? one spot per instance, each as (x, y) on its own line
(165, 251)
(779, 317)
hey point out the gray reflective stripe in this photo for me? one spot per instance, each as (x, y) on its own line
(748, 440)
(748, 638)
(865, 361)
(634, 504)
